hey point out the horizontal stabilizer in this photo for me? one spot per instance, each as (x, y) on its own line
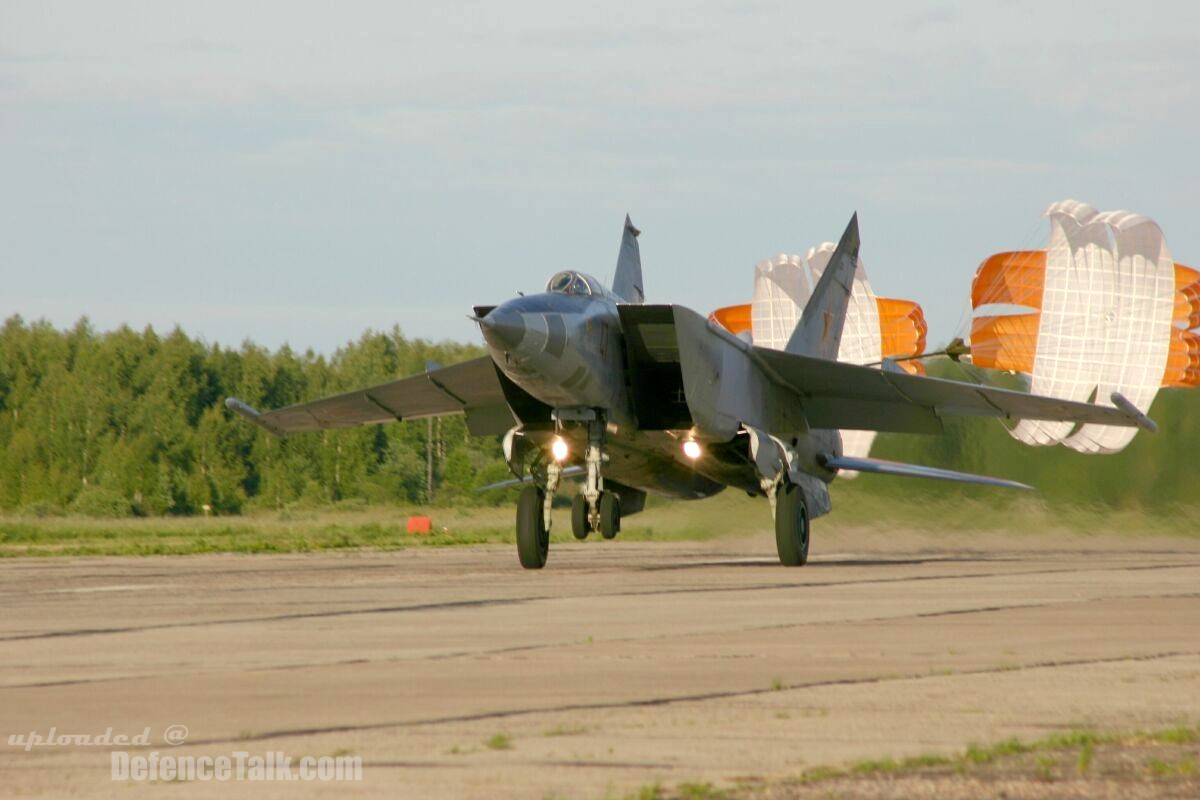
(882, 467)
(569, 472)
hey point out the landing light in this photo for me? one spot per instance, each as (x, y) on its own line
(559, 449)
(691, 449)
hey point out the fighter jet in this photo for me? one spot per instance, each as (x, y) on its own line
(590, 382)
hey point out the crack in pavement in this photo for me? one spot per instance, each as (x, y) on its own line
(700, 697)
(484, 602)
(620, 640)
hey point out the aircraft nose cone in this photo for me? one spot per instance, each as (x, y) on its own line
(503, 328)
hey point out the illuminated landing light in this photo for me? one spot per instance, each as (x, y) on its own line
(559, 449)
(691, 449)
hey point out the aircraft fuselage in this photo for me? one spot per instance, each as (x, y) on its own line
(564, 350)
(567, 351)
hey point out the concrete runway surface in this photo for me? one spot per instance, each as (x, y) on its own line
(617, 666)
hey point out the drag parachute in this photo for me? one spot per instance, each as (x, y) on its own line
(876, 328)
(1104, 308)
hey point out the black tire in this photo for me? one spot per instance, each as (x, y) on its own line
(579, 517)
(533, 540)
(610, 514)
(791, 526)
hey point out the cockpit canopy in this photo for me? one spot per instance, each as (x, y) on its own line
(572, 282)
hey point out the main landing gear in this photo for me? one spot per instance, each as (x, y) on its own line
(533, 535)
(791, 525)
(593, 509)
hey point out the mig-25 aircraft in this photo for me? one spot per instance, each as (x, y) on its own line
(587, 381)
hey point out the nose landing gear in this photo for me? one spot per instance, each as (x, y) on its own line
(601, 510)
(581, 526)
(607, 516)
(593, 509)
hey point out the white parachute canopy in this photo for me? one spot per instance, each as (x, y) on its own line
(1106, 320)
(782, 287)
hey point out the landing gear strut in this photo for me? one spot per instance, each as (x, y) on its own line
(593, 509)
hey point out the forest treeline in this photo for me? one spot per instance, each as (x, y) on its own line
(129, 422)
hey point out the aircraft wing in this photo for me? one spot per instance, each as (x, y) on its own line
(725, 383)
(471, 387)
(849, 397)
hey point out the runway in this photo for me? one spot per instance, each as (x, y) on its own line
(454, 673)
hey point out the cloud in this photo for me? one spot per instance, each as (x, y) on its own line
(203, 46)
(932, 17)
(15, 58)
(180, 156)
(603, 37)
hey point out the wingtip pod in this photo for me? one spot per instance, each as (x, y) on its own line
(243, 410)
(1144, 422)
(238, 407)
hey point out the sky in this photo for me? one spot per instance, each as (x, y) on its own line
(298, 172)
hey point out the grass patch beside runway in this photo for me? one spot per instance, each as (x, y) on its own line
(1078, 763)
(856, 503)
(859, 514)
(357, 528)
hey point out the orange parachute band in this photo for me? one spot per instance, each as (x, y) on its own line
(1009, 342)
(1016, 278)
(1187, 297)
(1183, 360)
(902, 328)
(735, 319)
(1005, 343)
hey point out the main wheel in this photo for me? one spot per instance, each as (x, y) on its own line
(579, 517)
(791, 526)
(610, 515)
(533, 540)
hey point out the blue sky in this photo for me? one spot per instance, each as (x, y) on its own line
(302, 171)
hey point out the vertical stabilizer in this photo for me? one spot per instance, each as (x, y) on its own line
(819, 331)
(627, 284)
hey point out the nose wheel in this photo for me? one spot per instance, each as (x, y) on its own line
(581, 526)
(606, 519)
(610, 515)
